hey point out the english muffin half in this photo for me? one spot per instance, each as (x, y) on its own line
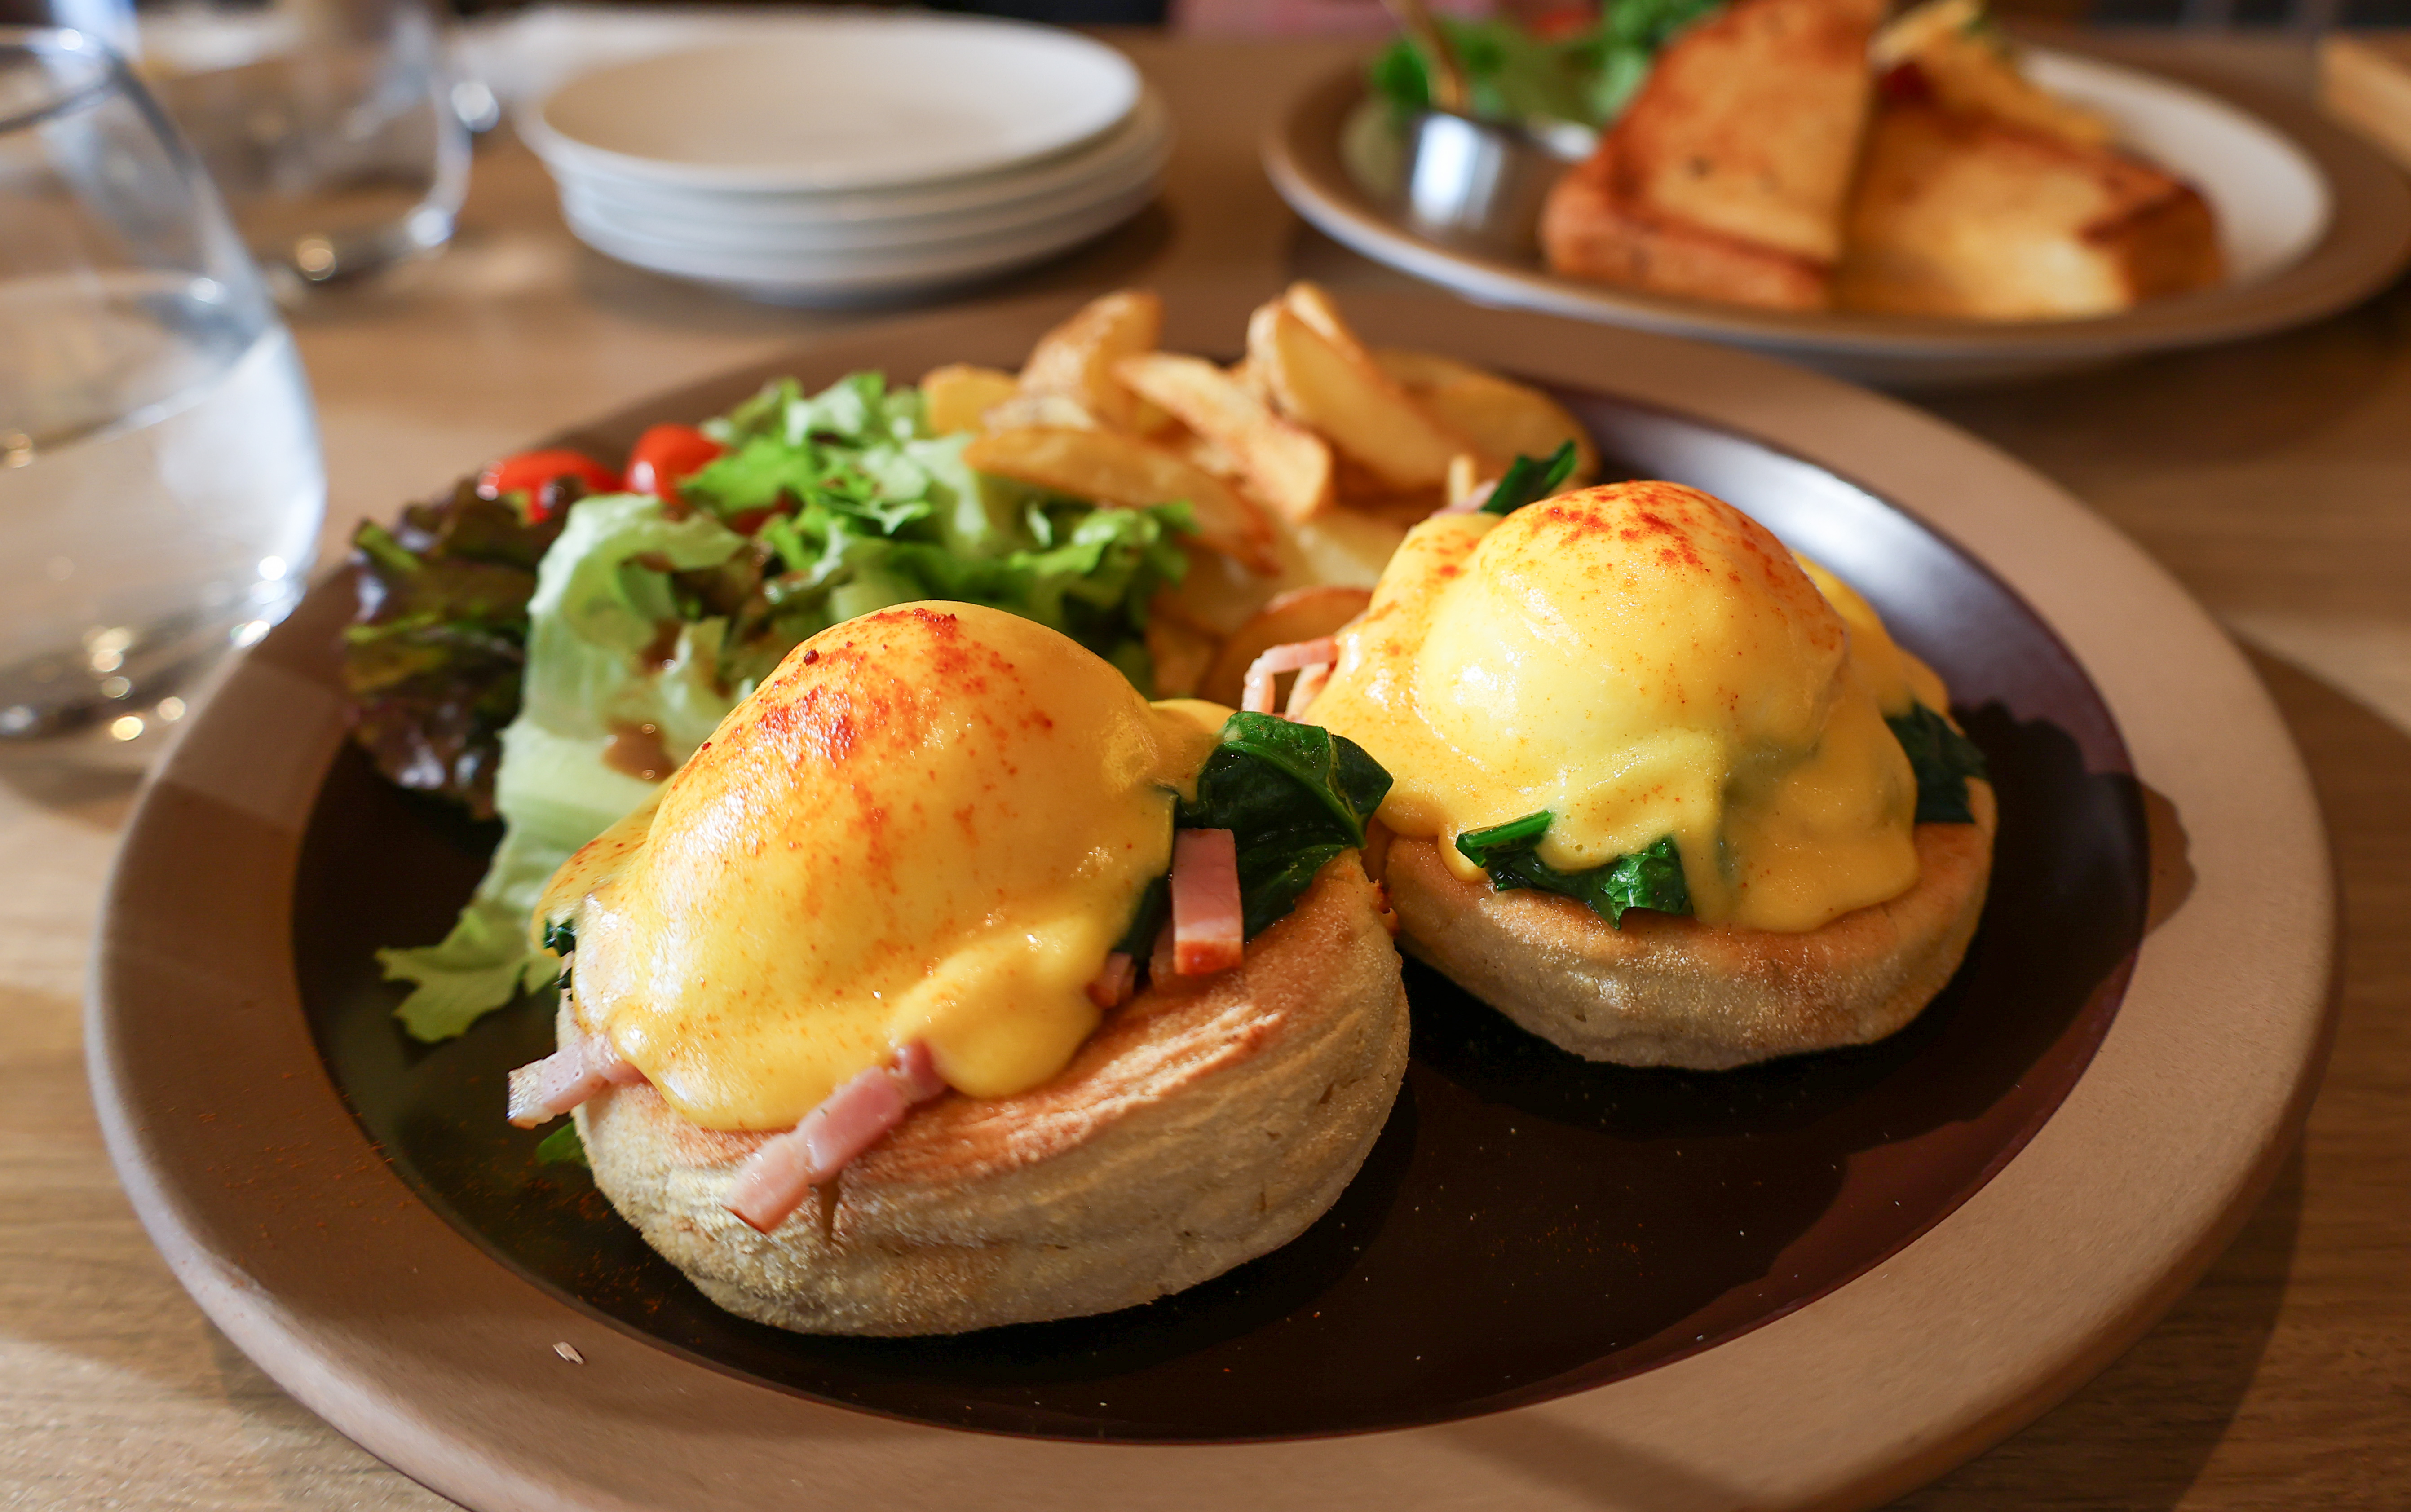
(1666, 990)
(1210, 1121)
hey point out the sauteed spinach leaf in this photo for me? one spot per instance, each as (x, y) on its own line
(1647, 878)
(1294, 795)
(1943, 759)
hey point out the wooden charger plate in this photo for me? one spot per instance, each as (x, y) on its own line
(1815, 1284)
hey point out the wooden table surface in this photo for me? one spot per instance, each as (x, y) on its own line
(2274, 478)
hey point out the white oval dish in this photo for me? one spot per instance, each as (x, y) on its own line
(2313, 221)
(845, 275)
(859, 101)
(1133, 154)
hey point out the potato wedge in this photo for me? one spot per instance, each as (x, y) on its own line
(1181, 653)
(1018, 410)
(1152, 420)
(1463, 477)
(1248, 376)
(956, 395)
(1366, 492)
(1283, 466)
(1116, 468)
(1205, 452)
(1506, 420)
(1077, 359)
(1347, 398)
(1314, 306)
(1299, 615)
(1503, 418)
(1344, 545)
(1419, 371)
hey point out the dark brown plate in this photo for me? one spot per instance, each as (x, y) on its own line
(1530, 1222)
(1532, 1236)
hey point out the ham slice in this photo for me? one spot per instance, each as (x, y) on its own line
(1256, 690)
(544, 1090)
(775, 1179)
(1115, 981)
(1474, 499)
(1308, 688)
(917, 1073)
(1208, 927)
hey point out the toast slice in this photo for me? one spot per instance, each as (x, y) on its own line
(1728, 176)
(1972, 216)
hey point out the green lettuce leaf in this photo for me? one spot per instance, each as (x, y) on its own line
(433, 659)
(484, 961)
(1510, 74)
(646, 614)
(561, 1147)
(1614, 57)
(1943, 759)
(1294, 795)
(1646, 879)
(603, 595)
(1515, 76)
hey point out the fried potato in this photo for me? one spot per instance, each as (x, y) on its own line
(1017, 411)
(1313, 304)
(1152, 420)
(1419, 371)
(1299, 615)
(1504, 420)
(1463, 477)
(1283, 466)
(956, 395)
(1364, 491)
(1207, 453)
(1181, 653)
(1117, 469)
(1077, 359)
(1251, 378)
(1343, 546)
(1346, 396)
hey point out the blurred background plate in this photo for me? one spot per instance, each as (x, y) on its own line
(866, 273)
(2313, 221)
(840, 158)
(855, 101)
(1144, 138)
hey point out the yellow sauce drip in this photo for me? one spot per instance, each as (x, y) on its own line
(929, 824)
(1639, 659)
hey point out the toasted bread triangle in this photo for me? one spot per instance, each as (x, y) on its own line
(1728, 176)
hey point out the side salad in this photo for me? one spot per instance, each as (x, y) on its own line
(547, 644)
(1582, 74)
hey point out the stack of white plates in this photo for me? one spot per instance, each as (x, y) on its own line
(853, 156)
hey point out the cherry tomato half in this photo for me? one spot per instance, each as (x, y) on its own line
(529, 472)
(665, 454)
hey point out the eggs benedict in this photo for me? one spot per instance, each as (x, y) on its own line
(950, 984)
(1665, 794)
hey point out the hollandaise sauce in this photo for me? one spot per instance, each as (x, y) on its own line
(1643, 664)
(931, 824)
